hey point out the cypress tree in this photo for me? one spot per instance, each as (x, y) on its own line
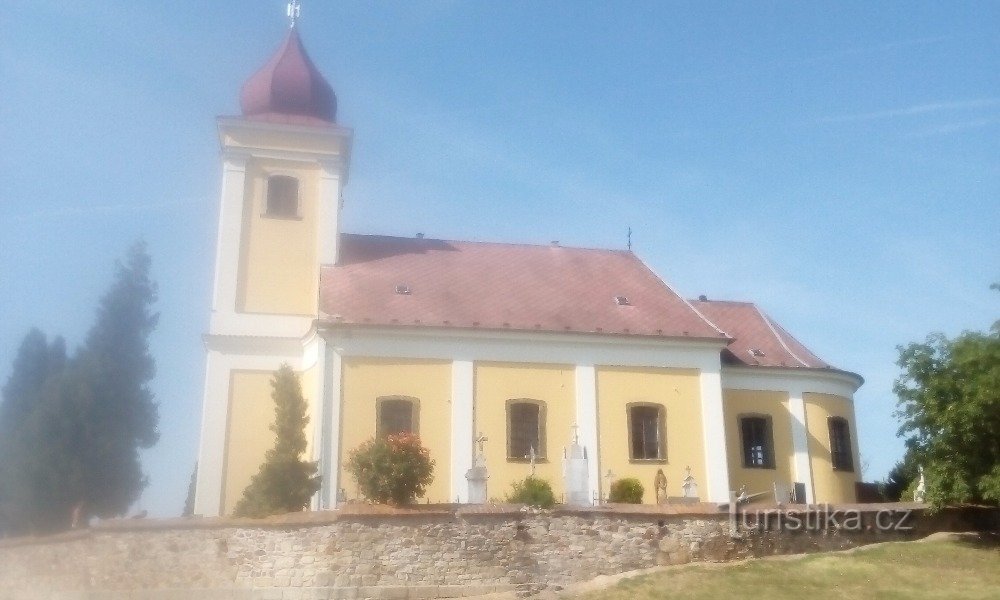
(285, 482)
(72, 430)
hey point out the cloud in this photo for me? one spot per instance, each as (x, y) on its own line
(71, 211)
(915, 110)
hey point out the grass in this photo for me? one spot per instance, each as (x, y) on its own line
(930, 569)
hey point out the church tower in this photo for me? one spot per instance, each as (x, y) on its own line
(284, 163)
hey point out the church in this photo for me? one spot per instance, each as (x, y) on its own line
(522, 350)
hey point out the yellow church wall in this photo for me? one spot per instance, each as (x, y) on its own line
(367, 379)
(248, 431)
(737, 403)
(279, 256)
(678, 392)
(248, 435)
(495, 384)
(830, 485)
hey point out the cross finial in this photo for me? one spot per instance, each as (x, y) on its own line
(293, 12)
(576, 433)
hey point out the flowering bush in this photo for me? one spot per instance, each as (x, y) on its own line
(392, 470)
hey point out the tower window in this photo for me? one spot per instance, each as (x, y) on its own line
(396, 414)
(282, 196)
(840, 444)
(647, 432)
(525, 429)
(757, 442)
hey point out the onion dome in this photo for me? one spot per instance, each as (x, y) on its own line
(289, 89)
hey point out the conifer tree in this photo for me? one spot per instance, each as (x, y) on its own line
(76, 450)
(285, 482)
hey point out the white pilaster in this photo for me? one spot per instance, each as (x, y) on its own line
(212, 448)
(329, 212)
(586, 419)
(462, 427)
(333, 372)
(714, 431)
(800, 441)
(319, 416)
(227, 251)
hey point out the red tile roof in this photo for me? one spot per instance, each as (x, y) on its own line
(752, 330)
(502, 286)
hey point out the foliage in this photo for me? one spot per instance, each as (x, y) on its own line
(192, 487)
(395, 469)
(949, 403)
(899, 479)
(80, 423)
(285, 482)
(627, 491)
(533, 491)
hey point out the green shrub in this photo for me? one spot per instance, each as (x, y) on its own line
(533, 491)
(392, 470)
(626, 491)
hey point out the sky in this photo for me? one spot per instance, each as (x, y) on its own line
(837, 163)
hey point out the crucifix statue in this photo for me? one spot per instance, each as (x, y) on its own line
(576, 433)
(294, 9)
(531, 459)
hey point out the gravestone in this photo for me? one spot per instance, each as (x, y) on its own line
(576, 473)
(477, 475)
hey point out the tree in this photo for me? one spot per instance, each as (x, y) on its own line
(75, 454)
(36, 363)
(192, 487)
(285, 482)
(949, 403)
(899, 479)
(395, 469)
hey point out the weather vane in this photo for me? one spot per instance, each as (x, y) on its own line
(293, 11)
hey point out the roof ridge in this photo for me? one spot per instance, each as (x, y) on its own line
(682, 298)
(777, 336)
(489, 243)
(743, 302)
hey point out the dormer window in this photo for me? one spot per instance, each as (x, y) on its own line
(282, 196)
(622, 301)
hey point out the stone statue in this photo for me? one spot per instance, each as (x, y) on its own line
(690, 486)
(920, 493)
(660, 486)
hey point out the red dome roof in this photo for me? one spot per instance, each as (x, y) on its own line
(289, 88)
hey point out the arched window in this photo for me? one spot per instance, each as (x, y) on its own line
(757, 442)
(840, 444)
(396, 414)
(282, 196)
(525, 429)
(647, 432)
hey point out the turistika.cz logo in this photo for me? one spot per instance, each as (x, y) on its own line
(821, 517)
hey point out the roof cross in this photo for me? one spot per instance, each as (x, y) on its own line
(293, 12)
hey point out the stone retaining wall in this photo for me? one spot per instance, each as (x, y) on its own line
(437, 552)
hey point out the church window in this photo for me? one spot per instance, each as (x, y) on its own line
(840, 444)
(396, 414)
(646, 432)
(282, 196)
(525, 429)
(758, 446)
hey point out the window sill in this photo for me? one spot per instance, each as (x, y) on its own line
(538, 460)
(648, 461)
(281, 217)
(760, 467)
(843, 469)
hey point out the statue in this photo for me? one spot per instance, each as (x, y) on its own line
(477, 475)
(920, 493)
(690, 486)
(660, 486)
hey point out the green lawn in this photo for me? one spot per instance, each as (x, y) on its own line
(964, 568)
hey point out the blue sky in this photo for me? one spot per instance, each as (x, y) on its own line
(839, 164)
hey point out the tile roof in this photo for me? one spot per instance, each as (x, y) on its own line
(502, 286)
(752, 330)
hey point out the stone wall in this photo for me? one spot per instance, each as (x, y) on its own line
(370, 552)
